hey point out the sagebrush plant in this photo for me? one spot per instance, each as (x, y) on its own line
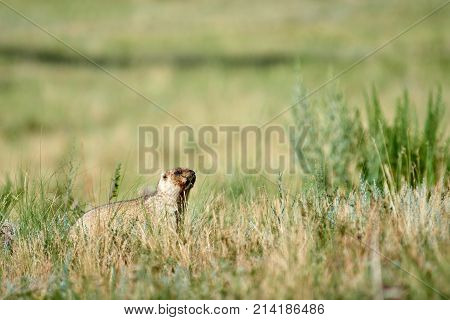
(334, 133)
(349, 231)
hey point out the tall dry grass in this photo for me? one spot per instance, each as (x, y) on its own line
(294, 245)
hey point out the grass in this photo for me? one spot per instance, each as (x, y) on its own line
(379, 170)
(299, 246)
(247, 238)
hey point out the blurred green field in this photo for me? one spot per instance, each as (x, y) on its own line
(220, 62)
(65, 125)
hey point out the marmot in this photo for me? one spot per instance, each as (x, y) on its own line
(170, 197)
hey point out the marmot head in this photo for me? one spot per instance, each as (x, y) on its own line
(176, 182)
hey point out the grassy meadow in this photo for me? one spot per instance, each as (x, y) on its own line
(369, 221)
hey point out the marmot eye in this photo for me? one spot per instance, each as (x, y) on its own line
(178, 172)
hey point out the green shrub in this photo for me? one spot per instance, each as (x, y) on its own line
(405, 152)
(340, 149)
